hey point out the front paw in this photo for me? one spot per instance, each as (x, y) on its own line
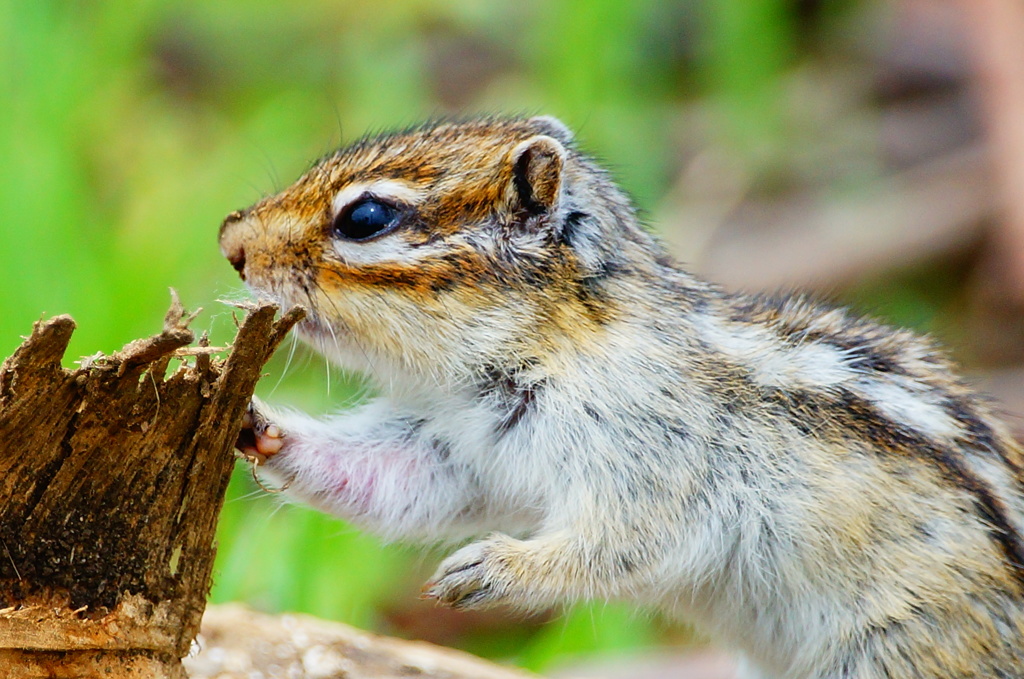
(259, 438)
(476, 576)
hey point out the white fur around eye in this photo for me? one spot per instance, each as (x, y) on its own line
(389, 190)
(390, 248)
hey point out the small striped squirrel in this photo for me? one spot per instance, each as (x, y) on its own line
(818, 492)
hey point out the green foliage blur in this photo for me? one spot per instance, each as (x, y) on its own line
(129, 129)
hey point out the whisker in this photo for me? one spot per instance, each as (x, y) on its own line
(350, 337)
(287, 363)
(248, 496)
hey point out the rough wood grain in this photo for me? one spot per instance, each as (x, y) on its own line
(111, 479)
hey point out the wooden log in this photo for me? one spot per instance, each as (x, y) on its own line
(111, 480)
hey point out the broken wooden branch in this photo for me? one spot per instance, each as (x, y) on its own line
(111, 480)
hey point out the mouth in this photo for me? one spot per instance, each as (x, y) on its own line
(309, 330)
(316, 329)
(313, 331)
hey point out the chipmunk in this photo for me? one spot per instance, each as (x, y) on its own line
(818, 492)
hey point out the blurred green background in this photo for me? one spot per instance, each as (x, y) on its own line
(129, 129)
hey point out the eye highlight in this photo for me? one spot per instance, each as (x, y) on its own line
(364, 219)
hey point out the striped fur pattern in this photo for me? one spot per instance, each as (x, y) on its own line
(817, 491)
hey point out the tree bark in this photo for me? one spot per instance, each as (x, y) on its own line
(111, 480)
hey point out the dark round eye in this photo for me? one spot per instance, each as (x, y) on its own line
(365, 218)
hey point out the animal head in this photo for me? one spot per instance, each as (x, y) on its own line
(441, 249)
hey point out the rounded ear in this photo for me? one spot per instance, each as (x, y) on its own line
(553, 127)
(537, 174)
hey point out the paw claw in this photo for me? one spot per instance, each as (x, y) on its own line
(258, 439)
(470, 578)
(480, 597)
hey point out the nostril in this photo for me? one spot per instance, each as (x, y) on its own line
(237, 259)
(231, 241)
